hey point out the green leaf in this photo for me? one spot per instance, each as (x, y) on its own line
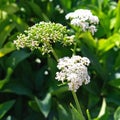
(17, 88)
(105, 22)
(16, 57)
(19, 23)
(5, 107)
(66, 4)
(9, 47)
(43, 106)
(87, 51)
(117, 114)
(37, 10)
(6, 28)
(103, 114)
(4, 81)
(75, 114)
(117, 62)
(103, 108)
(115, 83)
(105, 45)
(10, 8)
(89, 40)
(63, 113)
(52, 65)
(117, 24)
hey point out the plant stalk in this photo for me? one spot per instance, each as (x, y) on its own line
(78, 105)
(54, 54)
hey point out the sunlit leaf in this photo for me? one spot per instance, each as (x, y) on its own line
(7, 78)
(19, 23)
(66, 4)
(117, 24)
(103, 108)
(117, 114)
(43, 106)
(10, 8)
(9, 47)
(5, 32)
(5, 107)
(106, 44)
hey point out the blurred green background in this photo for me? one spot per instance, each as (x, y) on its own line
(28, 89)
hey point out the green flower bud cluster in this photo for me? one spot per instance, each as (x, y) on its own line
(43, 35)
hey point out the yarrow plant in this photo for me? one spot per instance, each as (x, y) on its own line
(83, 19)
(42, 35)
(74, 71)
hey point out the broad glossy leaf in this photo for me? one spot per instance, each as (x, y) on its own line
(66, 4)
(9, 47)
(106, 44)
(16, 57)
(89, 40)
(37, 10)
(103, 108)
(103, 114)
(117, 24)
(43, 106)
(113, 96)
(5, 107)
(5, 31)
(104, 22)
(94, 60)
(117, 114)
(10, 8)
(19, 23)
(115, 83)
(17, 88)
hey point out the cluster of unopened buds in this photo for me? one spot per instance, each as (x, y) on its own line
(83, 19)
(43, 35)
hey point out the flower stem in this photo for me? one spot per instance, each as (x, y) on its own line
(54, 54)
(78, 105)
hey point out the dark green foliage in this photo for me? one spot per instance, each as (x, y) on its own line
(28, 93)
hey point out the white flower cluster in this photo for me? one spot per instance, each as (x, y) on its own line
(83, 19)
(74, 71)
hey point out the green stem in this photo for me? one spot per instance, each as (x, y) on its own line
(54, 54)
(77, 104)
(74, 50)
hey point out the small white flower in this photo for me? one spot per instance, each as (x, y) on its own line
(92, 29)
(83, 19)
(75, 22)
(74, 71)
(70, 15)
